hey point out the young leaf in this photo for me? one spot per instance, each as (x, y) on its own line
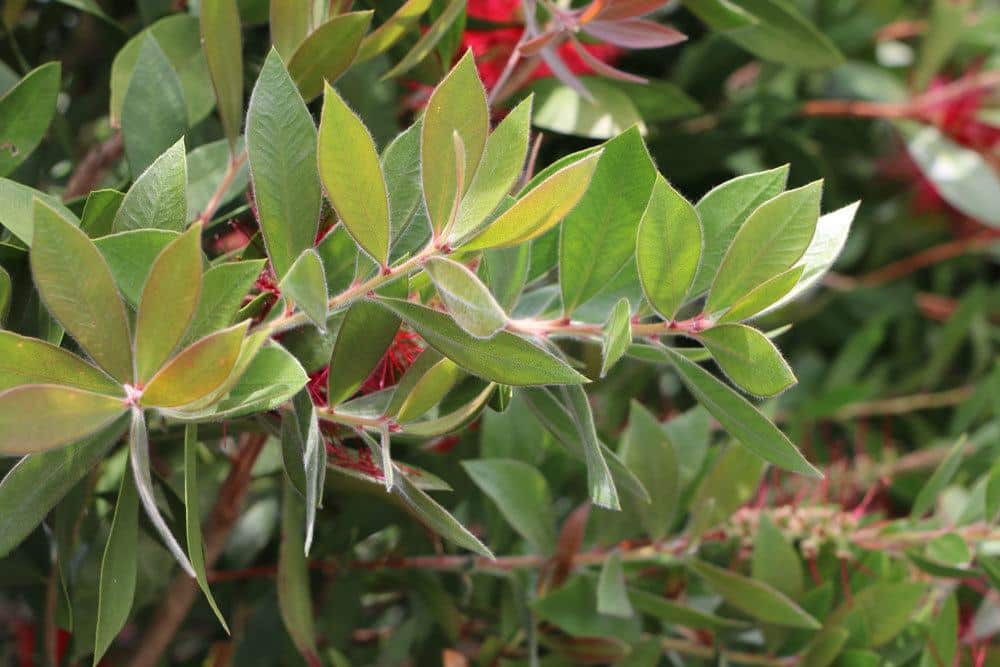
(192, 519)
(467, 299)
(351, 175)
(772, 239)
(38, 481)
(281, 146)
(598, 235)
(294, 599)
(457, 105)
(154, 115)
(222, 44)
(392, 30)
(740, 418)
(521, 494)
(502, 163)
(764, 296)
(612, 596)
(724, 210)
(401, 167)
(305, 284)
(328, 52)
(452, 421)
(197, 370)
(118, 568)
(289, 22)
(428, 40)
(138, 444)
(505, 358)
(424, 384)
(668, 249)
(89, 309)
(540, 209)
(158, 198)
(755, 597)
(749, 358)
(169, 300)
(616, 335)
(26, 111)
(26, 361)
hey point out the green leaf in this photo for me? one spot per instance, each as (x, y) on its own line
(305, 285)
(154, 116)
(222, 42)
(731, 481)
(17, 214)
(678, 614)
(720, 14)
(541, 209)
(823, 650)
(598, 235)
(363, 337)
(740, 418)
(560, 108)
(775, 562)
(781, 34)
(505, 271)
(521, 494)
(616, 335)
(467, 299)
(505, 358)
(281, 145)
(192, 519)
(724, 210)
(90, 310)
(648, 452)
(425, 45)
(501, 165)
(755, 597)
(941, 477)
(26, 361)
(748, 358)
(352, 178)
(881, 610)
(289, 22)
(668, 249)
(26, 111)
(571, 607)
(180, 38)
(773, 238)
(328, 52)
(425, 383)
(168, 303)
(119, 567)
(196, 371)
(764, 296)
(99, 212)
(452, 421)
(943, 33)
(393, 29)
(158, 198)
(222, 294)
(130, 255)
(207, 166)
(6, 292)
(401, 167)
(612, 596)
(294, 599)
(38, 481)
(457, 105)
(340, 257)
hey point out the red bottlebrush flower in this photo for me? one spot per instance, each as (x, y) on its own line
(402, 352)
(498, 11)
(317, 386)
(342, 456)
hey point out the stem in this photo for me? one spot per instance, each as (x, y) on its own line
(688, 647)
(235, 163)
(566, 327)
(331, 415)
(906, 404)
(94, 165)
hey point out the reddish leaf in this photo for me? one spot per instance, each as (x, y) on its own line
(634, 33)
(604, 69)
(616, 10)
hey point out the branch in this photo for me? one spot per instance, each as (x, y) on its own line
(905, 404)
(93, 167)
(235, 163)
(183, 591)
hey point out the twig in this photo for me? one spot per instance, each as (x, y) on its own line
(183, 590)
(93, 167)
(235, 164)
(929, 257)
(709, 652)
(905, 404)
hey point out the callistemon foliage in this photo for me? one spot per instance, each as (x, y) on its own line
(408, 292)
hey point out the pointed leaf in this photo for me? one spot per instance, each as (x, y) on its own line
(424, 384)
(782, 34)
(775, 562)
(634, 33)
(823, 650)
(294, 599)
(77, 288)
(541, 209)
(196, 371)
(169, 300)
(386, 35)
(748, 358)
(458, 104)
(765, 296)
(26, 361)
(773, 238)
(616, 335)
(467, 299)
(505, 358)
(505, 271)
(646, 450)
(6, 292)
(521, 494)
(352, 178)
(281, 146)
(99, 212)
(26, 111)
(941, 477)
(289, 22)
(612, 596)
(328, 52)
(755, 598)
(668, 249)
(158, 198)
(130, 255)
(17, 214)
(222, 294)
(740, 418)
(222, 43)
(305, 284)
(425, 45)
(118, 568)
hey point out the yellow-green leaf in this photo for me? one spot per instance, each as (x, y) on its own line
(305, 284)
(26, 360)
(764, 296)
(467, 299)
(616, 335)
(37, 417)
(390, 32)
(749, 358)
(328, 52)
(119, 566)
(755, 598)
